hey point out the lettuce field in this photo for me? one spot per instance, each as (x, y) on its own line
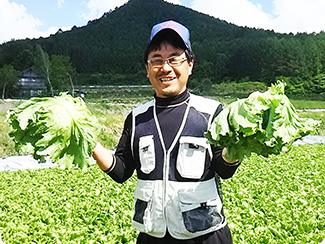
(274, 200)
(279, 199)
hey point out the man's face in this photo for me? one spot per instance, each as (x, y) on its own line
(169, 81)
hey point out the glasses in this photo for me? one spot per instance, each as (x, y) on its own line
(174, 61)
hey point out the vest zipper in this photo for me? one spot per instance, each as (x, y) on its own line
(166, 162)
(165, 182)
(167, 155)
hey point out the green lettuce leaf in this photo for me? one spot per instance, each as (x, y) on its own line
(60, 127)
(264, 123)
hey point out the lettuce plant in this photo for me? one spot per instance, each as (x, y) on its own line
(264, 123)
(60, 127)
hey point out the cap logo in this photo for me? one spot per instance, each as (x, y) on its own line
(181, 30)
(171, 25)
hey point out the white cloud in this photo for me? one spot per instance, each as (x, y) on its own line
(60, 3)
(16, 23)
(178, 2)
(96, 8)
(287, 15)
(239, 12)
(299, 16)
(54, 29)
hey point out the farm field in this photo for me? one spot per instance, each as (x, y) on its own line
(278, 199)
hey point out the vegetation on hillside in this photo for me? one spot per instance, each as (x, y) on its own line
(109, 50)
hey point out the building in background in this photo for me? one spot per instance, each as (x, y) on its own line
(31, 83)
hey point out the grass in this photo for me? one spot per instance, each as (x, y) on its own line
(298, 104)
(317, 116)
(6, 144)
(111, 119)
(308, 104)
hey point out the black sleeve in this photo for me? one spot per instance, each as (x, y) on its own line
(124, 166)
(223, 169)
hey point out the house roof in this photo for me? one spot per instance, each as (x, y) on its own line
(30, 73)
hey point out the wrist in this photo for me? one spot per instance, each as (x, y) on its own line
(111, 167)
(224, 157)
(105, 158)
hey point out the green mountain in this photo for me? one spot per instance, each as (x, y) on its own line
(115, 42)
(109, 50)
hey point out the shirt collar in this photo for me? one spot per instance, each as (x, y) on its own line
(179, 99)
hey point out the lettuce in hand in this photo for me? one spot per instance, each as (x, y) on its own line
(60, 127)
(264, 123)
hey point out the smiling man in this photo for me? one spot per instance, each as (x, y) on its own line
(177, 198)
(168, 64)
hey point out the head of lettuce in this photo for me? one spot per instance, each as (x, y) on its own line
(264, 123)
(60, 127)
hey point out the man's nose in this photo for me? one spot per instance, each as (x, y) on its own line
(166, 66)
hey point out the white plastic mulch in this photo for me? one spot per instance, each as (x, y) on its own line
(13, 163)
(310, 140)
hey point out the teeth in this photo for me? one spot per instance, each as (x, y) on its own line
(167, 79)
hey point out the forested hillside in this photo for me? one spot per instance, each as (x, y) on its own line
(109, 50)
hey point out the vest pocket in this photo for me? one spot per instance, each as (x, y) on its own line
(191, 157)
(147, 154)
(200, 210)
(142, 209)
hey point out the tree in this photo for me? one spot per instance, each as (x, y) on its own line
(8, 78)
(61, 72)
(18, 53)
(24, 59)
(42, 63)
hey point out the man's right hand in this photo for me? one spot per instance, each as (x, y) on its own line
(104, 157)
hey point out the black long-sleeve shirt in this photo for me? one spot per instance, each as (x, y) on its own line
(170, 113)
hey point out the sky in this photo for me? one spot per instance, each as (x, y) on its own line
(20, 19)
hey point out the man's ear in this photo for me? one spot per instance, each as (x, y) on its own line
(190, 67)
(147, 71)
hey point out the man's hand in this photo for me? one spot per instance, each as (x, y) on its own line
(104, 157)
(224, 151)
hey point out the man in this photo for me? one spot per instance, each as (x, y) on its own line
(177, 198)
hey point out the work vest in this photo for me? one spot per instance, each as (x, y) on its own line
(176, 188)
